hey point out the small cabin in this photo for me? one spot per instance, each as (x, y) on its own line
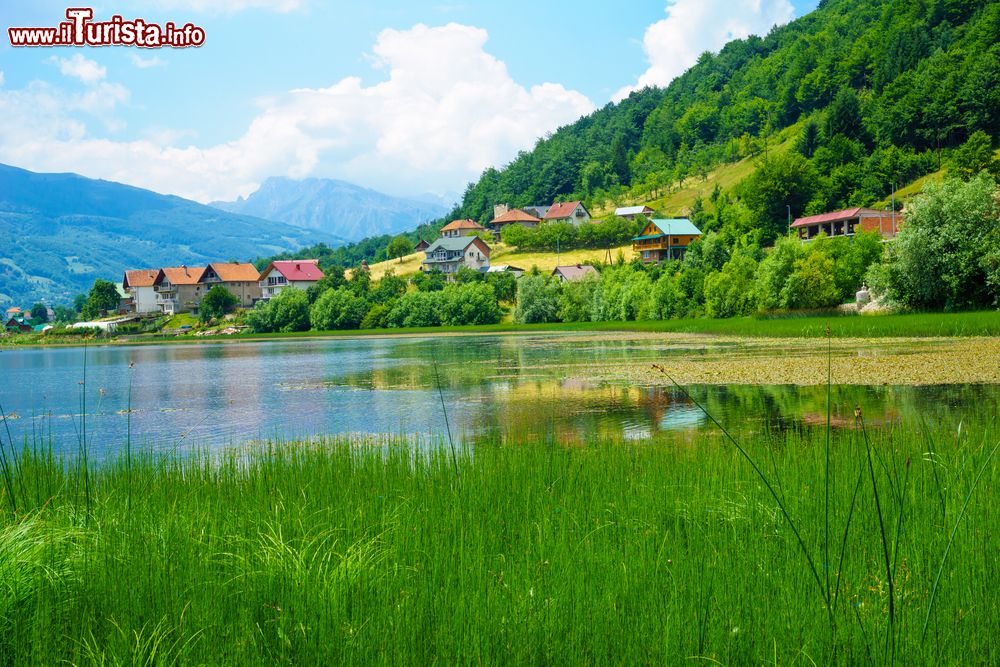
(665, 239)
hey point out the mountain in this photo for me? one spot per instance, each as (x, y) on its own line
(58, 232)
(336, 207)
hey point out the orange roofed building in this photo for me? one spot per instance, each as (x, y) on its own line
(240, 279)
(457, 228)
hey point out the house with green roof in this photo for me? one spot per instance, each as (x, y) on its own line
(665, 239)
(448, 255)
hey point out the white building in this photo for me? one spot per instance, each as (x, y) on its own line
(298, 273)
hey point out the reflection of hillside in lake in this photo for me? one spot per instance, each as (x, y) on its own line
(553, 388)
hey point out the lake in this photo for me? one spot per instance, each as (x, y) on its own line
(552, 388)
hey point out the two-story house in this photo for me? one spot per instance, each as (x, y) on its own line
(297, 273)
(573, 212)
(665, 239)
(140, 285)
(179, 289)
(240, 279)
(448, 255)
(457, 228)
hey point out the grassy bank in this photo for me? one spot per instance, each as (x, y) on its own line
(615, 553)
(920, 325)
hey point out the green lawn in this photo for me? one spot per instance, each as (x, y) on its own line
(616, 553)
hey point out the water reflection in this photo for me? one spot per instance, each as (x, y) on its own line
(495, 389)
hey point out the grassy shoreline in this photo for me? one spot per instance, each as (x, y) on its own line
(919, 325)
(348, 552)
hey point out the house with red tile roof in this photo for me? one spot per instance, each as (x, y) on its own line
(457, 228)
(242, 280)
(297, 273)
(140, 285)
(573, 212)
(513, 217)
(849, 222)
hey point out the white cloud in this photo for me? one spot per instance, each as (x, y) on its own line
(146, 63)
(692, 27)
(1, 77)
(445, 110)
(79, 67)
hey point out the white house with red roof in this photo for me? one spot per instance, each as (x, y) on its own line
(457, 228)
(297, 273)
(573, 212)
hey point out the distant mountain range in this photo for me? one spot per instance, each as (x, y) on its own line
(58, 232)
(336, 207)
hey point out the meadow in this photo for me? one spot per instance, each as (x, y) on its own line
(804, 546)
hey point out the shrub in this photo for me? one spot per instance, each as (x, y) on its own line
(337, 309)
(537, 300)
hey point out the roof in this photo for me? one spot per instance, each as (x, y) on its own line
(455, 244)
(461, 224)
(631, 210)
(835, 216)
(672, 227)
(183, 275)
(302, 270)
(514, 215)
(232, 273)
(575, 271)
(421, 245)
(141, 277)
(539, 211)
(562, 210)
(13, 309)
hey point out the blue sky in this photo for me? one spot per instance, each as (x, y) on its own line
(403, 96)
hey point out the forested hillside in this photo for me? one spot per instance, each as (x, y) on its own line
(883, 88)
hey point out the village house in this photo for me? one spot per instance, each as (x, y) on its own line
(17, 324)
(421, 246)
(632, 212)
(179, 289)
(240, 279)
(448, 255)
(458, 228)
(506, 268)
(296, 273)
(848, 222)
(665, 239)
(503, 216)
(140, 286)
(573, 212)
(574, 272)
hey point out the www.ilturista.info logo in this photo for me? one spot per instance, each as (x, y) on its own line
(81, 30)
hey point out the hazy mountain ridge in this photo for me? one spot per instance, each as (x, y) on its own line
(58, 232)
(336, 207)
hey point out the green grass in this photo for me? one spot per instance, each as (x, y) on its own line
(612, 553)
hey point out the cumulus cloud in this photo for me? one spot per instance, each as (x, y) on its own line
(79, 67)
(445, 110)
(692, 27)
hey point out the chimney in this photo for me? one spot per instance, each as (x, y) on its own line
(500, 209)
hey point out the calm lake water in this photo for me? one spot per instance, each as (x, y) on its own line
(494, 388)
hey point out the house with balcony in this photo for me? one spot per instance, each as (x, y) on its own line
(140, 288)
(572, 212)
(665, 239)
(179, 289)
(296, 273)
(502, 217)
(849, 222)
(448, 255)
(239, 279)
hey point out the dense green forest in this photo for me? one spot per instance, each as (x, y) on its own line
(884, 91)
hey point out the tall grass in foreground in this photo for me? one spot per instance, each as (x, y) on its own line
(614, 553)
